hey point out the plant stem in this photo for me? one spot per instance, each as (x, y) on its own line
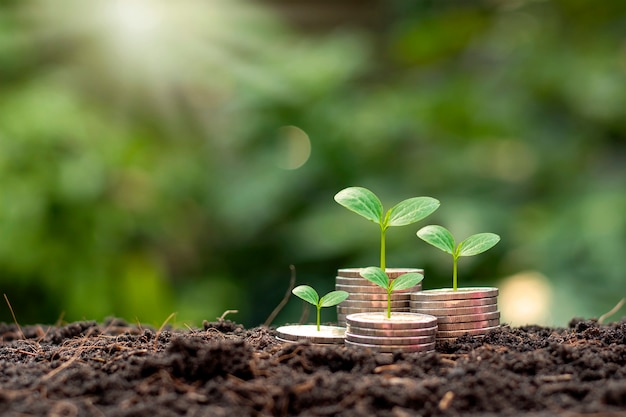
(454, 268)
(382, 247)
(319, 309)
(388, 304)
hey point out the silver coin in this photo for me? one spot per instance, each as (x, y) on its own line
(443, 294)
(471, 302)
(303, 340)
(399, 320)
(455, 311)
(356, 310)
(468, 318)
(341, 308)
(364, 331)
(372, 289)
(469, 325)
(373, 304)
(369, 289)
(326, 334)
(355, 281)
(429, 347)
(391, 272)
(392, 340)
(379, 297)
(471, 332)
(341, 316)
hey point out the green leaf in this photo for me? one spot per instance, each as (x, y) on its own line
(438, 236)
(478, 243)
(411, 211)
(376, 275)
(406, 281)
(361, 201)
(307, 293)
(333, 298)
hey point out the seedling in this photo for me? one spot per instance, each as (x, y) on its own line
(309, 295)
(365, 203)
(441, 238)
(379, 277)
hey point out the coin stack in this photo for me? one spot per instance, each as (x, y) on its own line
(327, 335)
(472, 311)
(407, 332)
(366, 296)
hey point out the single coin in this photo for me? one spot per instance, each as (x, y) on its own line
(373, 304)
(368, 289)
(469, 325)
(326, 334)
(468, 318)
(470, 302)
(398, 320)
(429, 347)
(306, 340)
(455, 311)
(391, 272)
(379, 297)
(392, 340)
(364, 331)
(355, 281)
(443, 294)
(471, 332)
(372, 289)
(350, 310)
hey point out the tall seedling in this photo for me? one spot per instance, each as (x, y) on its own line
(365, 203)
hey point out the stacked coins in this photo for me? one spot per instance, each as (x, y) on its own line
(407, 332)
(327, 335)
(472, 311)
(366, 296)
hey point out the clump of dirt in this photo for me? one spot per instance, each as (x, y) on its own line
(223, 369)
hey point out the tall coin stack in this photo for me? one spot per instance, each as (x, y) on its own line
(472, 311)
(405, 332)
(366, 296)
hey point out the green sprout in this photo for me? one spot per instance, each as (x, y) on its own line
(365, 203)
(379, 277)
(309, 295)
(441, 238)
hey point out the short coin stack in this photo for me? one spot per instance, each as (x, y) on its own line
(366, 296)
(407, 332)
(472, 311)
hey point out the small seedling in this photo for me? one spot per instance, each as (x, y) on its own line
(441, 238)
(365, 203)
(309, 295)
(379, 277)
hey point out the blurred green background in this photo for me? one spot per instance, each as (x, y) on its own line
(160, 157)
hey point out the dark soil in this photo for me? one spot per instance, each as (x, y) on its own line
(116, 369)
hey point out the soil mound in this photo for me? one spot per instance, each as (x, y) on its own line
(223, 369)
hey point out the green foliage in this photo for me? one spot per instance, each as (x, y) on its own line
(378, 276)
(441, 238)
(158, 169)
(311, 296)
(365, 203)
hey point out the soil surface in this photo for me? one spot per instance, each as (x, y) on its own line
(223, 369)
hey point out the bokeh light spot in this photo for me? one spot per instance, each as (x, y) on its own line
(294, 147)
(525, 298)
